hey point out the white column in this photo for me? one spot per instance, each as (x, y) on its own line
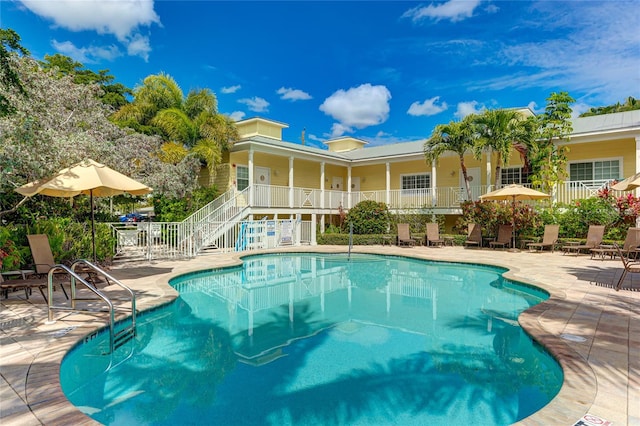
(349, 187)
(388, 183)
(637, 155)
(291, 182)
(314, 236)
(488, 171)
(251, 185)
(434, 196)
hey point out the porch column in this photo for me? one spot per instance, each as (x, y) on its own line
(434, 195)
(388, 184)
(251, 185)
(314, 240)
(636, 191)
(349, 187)
(488, 171)
(291, 182)
(322, 179)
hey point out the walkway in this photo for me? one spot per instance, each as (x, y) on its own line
(593, 331)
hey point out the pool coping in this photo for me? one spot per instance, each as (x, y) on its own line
(45, 400)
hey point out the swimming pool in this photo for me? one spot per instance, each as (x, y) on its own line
(320, 339)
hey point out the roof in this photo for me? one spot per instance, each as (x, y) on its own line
(593, 125)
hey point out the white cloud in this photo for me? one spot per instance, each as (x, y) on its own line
(255, 104)
(595, 54)
(86, 55)
(358, 107)
(428, 107)
(467, 108)
(453, 10)
(293, 94)
(237, 115)
(121, 19)
(230, 89)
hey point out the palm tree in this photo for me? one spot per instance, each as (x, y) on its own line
(500, 131)
(458, 137)
(159, 107)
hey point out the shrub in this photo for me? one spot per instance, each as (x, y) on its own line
(368, 217)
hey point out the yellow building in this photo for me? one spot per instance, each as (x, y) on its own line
(289, 179)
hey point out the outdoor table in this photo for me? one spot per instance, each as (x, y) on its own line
(22, 273)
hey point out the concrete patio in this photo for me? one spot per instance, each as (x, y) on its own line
(593, 331)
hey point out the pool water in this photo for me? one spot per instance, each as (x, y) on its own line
(311, 339)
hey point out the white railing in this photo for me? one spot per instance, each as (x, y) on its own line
(218, 223)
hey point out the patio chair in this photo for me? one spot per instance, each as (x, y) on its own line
(43, 258)
(629, 247)
(594, 239)
(432, 237)
(404, 235)
(505, 232)
(628, 265)
(25, 284)
(474, 235)
(549, 239)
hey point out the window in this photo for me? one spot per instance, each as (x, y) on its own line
(415, 182)
(514, 175)
(594, 170)
(242, 177)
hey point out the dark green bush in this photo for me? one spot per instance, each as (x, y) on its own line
(368, 217)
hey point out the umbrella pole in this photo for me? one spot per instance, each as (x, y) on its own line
(93, 227)
(513, 226)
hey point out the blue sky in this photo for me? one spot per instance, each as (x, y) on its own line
(381, 71)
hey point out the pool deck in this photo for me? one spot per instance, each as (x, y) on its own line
(593, 331)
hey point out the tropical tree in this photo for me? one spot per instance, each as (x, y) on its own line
(500, 131)
(160, 108)
(458, 137)
(59, 123)
(10, 48)
(630, 104)
(114, 94)
(548, 160)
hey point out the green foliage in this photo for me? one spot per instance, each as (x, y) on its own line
(417, 221)
(490, 215)
(358, 240)
(630, 104)
(368, 217)
(69, 240)
(576, 218)
(9, 77)
(170, 209)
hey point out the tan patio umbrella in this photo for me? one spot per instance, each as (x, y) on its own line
(514, 192)
(86, 177)
(629, 184)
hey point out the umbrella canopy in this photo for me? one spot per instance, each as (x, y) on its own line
(514, 192)
(629, 184)
(86, 177)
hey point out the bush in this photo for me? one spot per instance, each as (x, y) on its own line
(368, 217)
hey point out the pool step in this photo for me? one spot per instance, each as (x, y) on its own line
(123, 336)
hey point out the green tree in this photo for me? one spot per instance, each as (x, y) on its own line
(630, 104)
(114, 94)
(159, 107)
(9, 79)
(548, 161)
(500, 131)
(458, 137)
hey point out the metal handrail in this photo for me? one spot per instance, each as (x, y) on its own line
(76, 278)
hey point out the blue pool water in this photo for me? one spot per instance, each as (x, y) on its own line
(310, 339)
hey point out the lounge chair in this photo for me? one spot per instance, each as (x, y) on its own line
(25, 284)
(594, 239)
(505, 232)
(43, 261)
(628, 265)
(629, 247)
(404, 235)
(549, 239)
(474, 235)
(432, 236)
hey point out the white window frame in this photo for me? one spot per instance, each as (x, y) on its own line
(238, 167)
(414, 191)
(593, 161)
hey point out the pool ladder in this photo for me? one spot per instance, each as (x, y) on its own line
(93, 272)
